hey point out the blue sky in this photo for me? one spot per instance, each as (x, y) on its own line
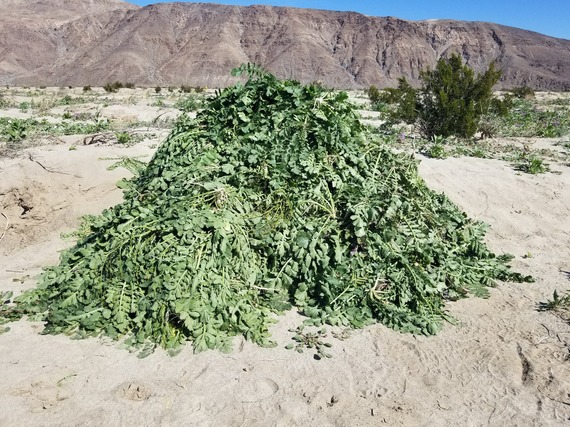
(551, 17)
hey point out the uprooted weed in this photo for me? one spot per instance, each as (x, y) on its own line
(273, 195)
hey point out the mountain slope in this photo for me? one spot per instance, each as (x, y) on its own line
(91, 42)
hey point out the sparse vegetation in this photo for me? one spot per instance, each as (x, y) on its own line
(522, 92)
(113, 87)
(527, 120)
(189, 103)
(559, 304)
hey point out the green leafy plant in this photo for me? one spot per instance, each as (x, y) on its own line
(525, 119)
(24, 106)
(123, 138)
(17, 130)
(188, 103)
(273, 195)
(310, 340)
(559, 304)
(8, 311)
(436, 150)
(531, 163)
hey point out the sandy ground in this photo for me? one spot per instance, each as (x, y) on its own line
(503, 364)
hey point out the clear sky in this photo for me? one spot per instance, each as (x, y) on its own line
(550, 17)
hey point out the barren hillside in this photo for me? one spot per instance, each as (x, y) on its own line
(65, 42)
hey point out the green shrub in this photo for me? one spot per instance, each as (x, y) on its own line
(452, 99)
(17, 130)
(123, 138)
(407, 101)
(373, 94)
(24, 106)
(113, 87)
(189, 103)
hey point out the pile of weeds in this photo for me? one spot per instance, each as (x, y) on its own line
(272, 196)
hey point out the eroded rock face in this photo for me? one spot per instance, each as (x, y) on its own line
(78, 42)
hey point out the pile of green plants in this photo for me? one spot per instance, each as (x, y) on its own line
(273, 196)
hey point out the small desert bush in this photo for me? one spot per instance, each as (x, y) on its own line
(189, 103)
(113, 87)
(522, 92)
(450, 101)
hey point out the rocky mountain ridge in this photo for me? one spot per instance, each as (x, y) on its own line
(79, 42)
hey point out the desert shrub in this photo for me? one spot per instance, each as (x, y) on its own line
(129, 85)
(407, 98)
(522, 92)
(452, 99)
(24, 106)
(113, 87)
(185, 89)
(188, 103)
(373, 94)
(158, 89)
(87, 88)
(404, 96)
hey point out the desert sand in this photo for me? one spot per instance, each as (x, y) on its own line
(503, 363)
